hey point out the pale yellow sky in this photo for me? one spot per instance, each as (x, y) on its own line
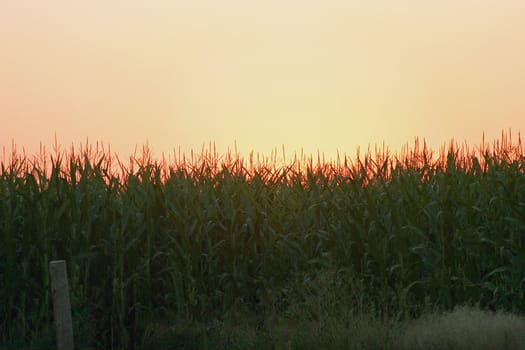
(318, 75)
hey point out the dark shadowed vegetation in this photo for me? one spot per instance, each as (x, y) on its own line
(214, 251)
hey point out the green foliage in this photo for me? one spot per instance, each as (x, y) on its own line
(199, 238)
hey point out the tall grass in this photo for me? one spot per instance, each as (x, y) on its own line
(203, 236)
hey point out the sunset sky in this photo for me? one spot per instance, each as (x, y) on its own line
(327, 75)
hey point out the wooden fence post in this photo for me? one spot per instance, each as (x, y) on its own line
(61, 305)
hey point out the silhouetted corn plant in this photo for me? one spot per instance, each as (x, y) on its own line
(191, 240)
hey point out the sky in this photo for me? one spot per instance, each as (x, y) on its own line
(327, 76)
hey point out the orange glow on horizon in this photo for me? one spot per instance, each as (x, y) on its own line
(379, 163)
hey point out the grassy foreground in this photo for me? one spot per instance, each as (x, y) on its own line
(212, 252)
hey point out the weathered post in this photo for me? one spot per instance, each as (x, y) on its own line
(61, 305)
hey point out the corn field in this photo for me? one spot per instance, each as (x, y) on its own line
(193, 238)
